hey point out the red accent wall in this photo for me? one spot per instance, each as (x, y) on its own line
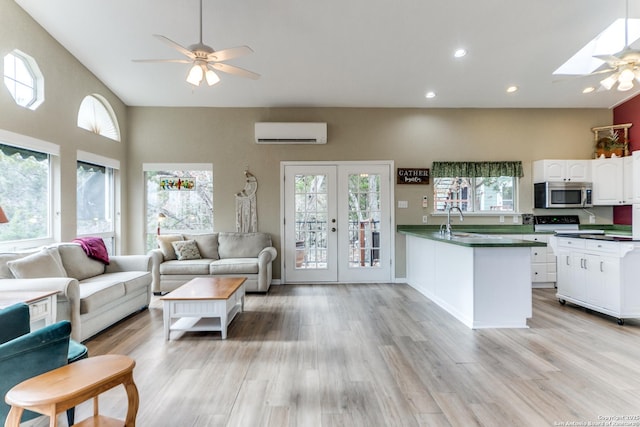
(629, 112)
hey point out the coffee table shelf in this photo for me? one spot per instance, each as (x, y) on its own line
(203, 304)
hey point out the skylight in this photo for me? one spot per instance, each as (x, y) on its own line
(610, 41)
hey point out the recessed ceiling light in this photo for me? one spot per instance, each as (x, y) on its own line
(588, 89)
(430, 95)
(459, 53)
(512, 89)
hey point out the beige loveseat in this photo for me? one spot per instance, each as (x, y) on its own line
(91, 295)
(223, 254)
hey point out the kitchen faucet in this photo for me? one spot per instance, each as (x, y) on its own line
(447, 230)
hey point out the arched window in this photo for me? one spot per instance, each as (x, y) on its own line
(23, 79)
(97, 116)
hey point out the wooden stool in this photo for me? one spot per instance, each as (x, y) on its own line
(63, 388)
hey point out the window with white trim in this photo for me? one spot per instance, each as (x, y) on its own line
(479, 194)
(179, 199)
(481, 187)
(97, 116)
(95, 201)
(25, 194)
(23, 79)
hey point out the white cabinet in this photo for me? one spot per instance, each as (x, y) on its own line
(599, 275)
(627, 180)
(608, 181)
(635, 176)
(543, 262)
(562, 170)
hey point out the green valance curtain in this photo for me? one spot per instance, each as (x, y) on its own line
(89, 167)
(474, 169)
(9, 150)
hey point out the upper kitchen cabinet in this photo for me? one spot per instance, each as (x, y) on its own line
(608, 182)
(562, 171)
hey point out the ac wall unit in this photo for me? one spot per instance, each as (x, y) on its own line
(291, 133)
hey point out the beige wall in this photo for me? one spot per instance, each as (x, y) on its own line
(409, 137)
(224, 137)
(67, 82)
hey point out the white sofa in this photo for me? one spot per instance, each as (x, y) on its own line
(223, 254)
(91, 295)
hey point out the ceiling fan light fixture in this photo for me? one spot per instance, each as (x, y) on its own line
(627, 74)
(609, 81)
(212, 78)
(195, 74)
(624, 86)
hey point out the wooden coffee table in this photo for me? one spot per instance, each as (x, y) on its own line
(203, 304)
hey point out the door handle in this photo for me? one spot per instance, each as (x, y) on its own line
(601, 270)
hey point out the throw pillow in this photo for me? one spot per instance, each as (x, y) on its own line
(186, 249)
(165, 243)
(41, 264)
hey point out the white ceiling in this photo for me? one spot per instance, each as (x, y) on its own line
(341, 53)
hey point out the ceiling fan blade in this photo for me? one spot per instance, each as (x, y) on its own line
(181, 61)
(226, 54)
(609, 59)
(175, 45)
(231, 69)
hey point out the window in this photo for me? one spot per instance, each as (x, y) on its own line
(23, 79)
(179, 199)
(97, 116)
(482, 187)
(480, 194)
(25, 194)
(96, 201)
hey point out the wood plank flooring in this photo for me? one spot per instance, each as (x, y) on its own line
(377, 355)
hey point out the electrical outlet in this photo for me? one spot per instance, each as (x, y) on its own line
(515, 219)
(425, 219)
(592, 219)
(501, 218)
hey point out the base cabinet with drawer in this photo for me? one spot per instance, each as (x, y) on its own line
(599, 275)
(543, 261)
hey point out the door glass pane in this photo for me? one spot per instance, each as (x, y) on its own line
(364, 220)
(311, 221)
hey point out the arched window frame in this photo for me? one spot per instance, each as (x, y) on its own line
(97, 116)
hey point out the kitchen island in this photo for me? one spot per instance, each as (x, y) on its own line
(599, 272)
(482, 280)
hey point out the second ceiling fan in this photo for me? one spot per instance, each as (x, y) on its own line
(205, 60)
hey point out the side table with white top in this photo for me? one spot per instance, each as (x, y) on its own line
(42, 305)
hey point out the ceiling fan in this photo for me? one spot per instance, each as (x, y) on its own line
(205, 60)
(624, 66)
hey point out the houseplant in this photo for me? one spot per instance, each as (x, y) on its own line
(609, 145)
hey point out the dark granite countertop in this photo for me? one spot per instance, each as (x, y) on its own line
(473, 240)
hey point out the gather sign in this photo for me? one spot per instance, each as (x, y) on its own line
(413, 176)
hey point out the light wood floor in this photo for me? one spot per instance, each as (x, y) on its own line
(377, 355)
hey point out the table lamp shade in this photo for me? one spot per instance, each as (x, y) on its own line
(3, 217)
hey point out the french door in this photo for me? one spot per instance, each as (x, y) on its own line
(336, 222)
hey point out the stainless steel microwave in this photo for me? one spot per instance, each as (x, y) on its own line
(562, 195)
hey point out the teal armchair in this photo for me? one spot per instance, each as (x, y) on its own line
(25, 354)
